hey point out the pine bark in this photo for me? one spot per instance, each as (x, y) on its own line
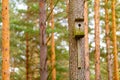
(115, 53)
(43, 45)
(87, 71)
(27, 58)
(52, 43)
(5, 41)
(76, 11)
(67, 7)
(97, 40)
(107, 29)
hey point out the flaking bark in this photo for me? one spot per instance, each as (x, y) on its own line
(43, 45)
(115, 53)
(87, 71)
(107, 32)
(52, 43)
(5, 41)
(97, 40)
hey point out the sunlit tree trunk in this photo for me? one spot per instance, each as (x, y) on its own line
(97, 40)
(115, 53)
(87, 72)
(52, 43)
(107, 29)
(5, 41)
(43, 44)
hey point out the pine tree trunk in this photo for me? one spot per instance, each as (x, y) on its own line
(27, 58)
(52, 42)
(115, 53)
(67, 7)
(76, 47)
(97, 40)
(87, 71)
(5, 41)
(43, 45)
(107, 29)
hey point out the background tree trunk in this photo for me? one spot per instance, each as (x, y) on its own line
(76, 11)
(87, 71)
(97, 40)
(5, 41)
(52, 42)
(43, 45)
(116, 74)
(27, 58)
(107, 29)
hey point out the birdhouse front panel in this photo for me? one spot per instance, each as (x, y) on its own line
(79, 28)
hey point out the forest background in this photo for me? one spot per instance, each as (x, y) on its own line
(24, 21)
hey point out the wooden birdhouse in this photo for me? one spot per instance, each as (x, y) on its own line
(79, 28)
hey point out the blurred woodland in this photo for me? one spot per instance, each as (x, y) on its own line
(25, 39)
